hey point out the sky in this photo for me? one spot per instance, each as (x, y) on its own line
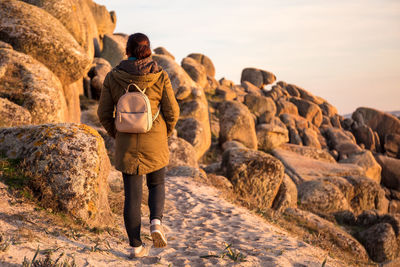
(345, 51)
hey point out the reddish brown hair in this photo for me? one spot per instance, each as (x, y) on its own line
(138, 46)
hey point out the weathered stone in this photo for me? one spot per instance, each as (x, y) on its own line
(76, 17)
(29, 84)
(225, 93)
(366, 160)
(308, 110)
(364, 135)
(276, 92)
(98, 73)
(367, 195)
(195, 70)
(35, 32)
(162, 51)
(394, 206)
(345, 217)
(368, 218)
(237, 124)
(12, 114)
(392, 145)
(287, 195)
(286, 107)
(71, 94)
(105, 20)
(328, 230)
(195, 105)
(212, 168)
(181, 153)
(114, 48)
(294, 137)
(327, 109)
(301, 168)
(260, 104)
(232, 144)
(69, 166)
(226, 82)
(206, 62)
(192, 130)
(255, 175)
(257, 77)
(380, 122)
(393, 220)
(380, 242)
(340, 140)
(271, 135)
(310, 138)
(220, 181)
(250, 88)
(321, 197)
(310, 152)
(390, 171)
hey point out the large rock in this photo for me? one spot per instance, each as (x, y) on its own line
(255, 175)
(35, 32)
(69, 167)
(105, 20)
(76, 17)
(366, 160)
(163, 51)
(392, 145)
(382, 123)
(286, 107)
(304, 168)
(380, 242)
(364, 136)
(114, 48)
(225, 93)
(321, 197)
(181, 153)
(390, 171)
(97, 73)
(236, 123)
(12, 114)
(286, 196)
(193, 132)
(271, 135)
(327, 230)
(250, 88)
(342, 141)
(195, 70)
(310, 138)
(310, 152)
(257, 77)
(206, 62)
(260, 105)
(30, 85)
(191, 98)
(368, 195)
(308, 110)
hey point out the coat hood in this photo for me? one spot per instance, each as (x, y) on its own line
(144, 72)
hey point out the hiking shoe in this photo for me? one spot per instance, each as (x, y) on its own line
(144, 252)
(157, 234)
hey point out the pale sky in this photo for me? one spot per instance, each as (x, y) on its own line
(346, 51)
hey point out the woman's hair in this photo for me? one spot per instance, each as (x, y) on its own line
(138, 46)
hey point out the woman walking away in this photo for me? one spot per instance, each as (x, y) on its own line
(143, 153)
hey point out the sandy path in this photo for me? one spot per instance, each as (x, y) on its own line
(198, 222)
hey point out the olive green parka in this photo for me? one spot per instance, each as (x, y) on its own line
(145, 152)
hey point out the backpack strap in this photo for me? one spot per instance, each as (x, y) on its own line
(137, 87)
(157, 113)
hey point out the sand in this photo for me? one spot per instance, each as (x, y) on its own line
(198, 222)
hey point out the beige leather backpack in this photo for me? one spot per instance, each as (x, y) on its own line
(133, 114)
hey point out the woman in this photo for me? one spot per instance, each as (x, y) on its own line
(145, 153)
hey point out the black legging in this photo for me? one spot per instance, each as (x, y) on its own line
(133, 199)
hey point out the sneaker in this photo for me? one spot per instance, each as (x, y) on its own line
(157, 234)
(144, 252)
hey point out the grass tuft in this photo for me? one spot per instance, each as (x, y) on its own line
(47, 260)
